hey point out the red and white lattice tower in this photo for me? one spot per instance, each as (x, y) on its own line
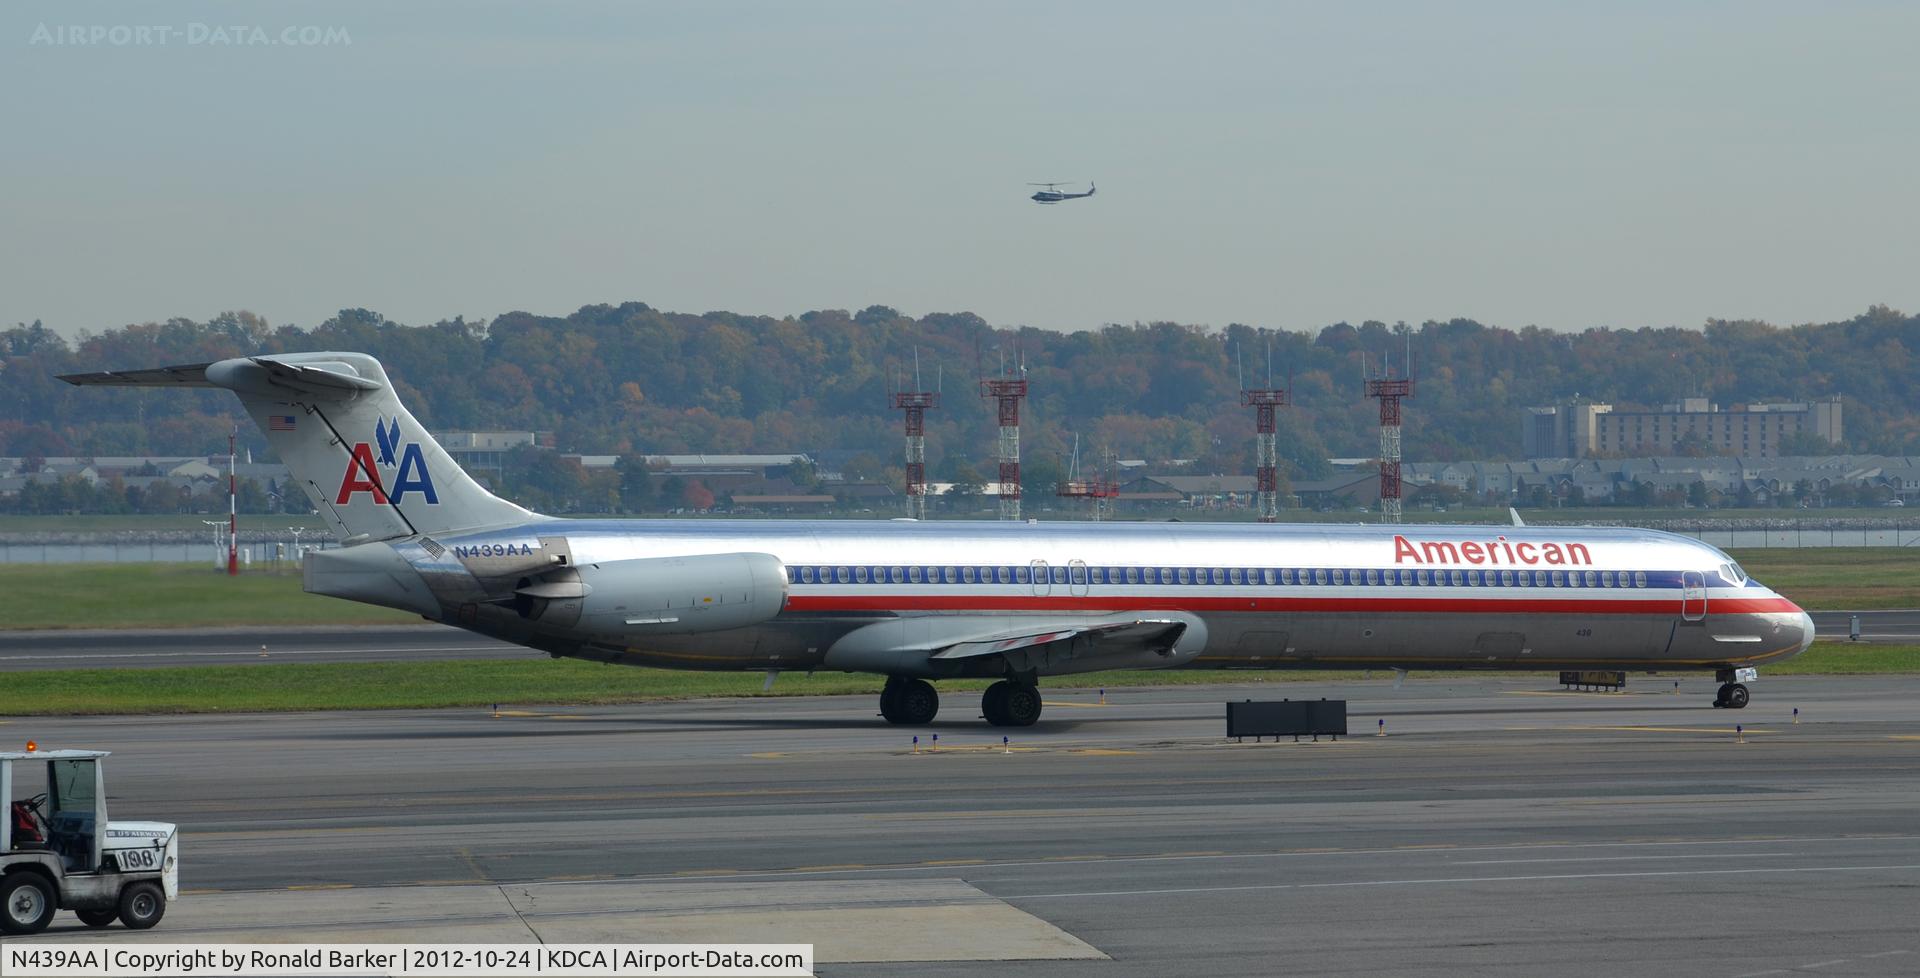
(1390, 389)
(1266, 469)
(233, 509)
(916, 403)
(1009, 394)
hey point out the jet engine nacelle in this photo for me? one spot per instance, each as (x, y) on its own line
(657, 595)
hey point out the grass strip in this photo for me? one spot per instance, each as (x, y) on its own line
(168, 596)
(1839, 578)
(540, 682)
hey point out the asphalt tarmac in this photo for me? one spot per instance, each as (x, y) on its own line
(1501, 827)
(151, 648)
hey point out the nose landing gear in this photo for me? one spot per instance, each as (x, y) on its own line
(1733, 688)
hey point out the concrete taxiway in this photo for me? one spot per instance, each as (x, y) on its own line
(1500, 827)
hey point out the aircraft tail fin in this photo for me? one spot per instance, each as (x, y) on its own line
(370, 469)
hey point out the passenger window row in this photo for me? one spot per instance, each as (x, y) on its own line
(1214, 576)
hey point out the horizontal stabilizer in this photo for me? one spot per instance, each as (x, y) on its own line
(263, 375)
(185, 375)
(315, 377)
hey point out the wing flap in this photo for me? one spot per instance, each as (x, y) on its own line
(1141, 633)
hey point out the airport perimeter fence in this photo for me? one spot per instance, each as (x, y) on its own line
(254, 555)
(1798, 536)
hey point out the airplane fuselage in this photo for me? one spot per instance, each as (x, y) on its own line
(1257, 596)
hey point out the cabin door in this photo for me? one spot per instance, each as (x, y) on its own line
(1693, 596)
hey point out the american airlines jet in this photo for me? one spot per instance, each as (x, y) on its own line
(920, 602)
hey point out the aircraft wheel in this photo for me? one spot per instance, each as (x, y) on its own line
(1011, 704)
(911, 702)
(26, 903)
(142, 905)
(1736, 696)
(1023, 705)
(993, 703)
(96, 918)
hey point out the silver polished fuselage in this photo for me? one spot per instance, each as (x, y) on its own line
(1264, 596)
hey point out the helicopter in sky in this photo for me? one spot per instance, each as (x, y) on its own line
(1053, 195)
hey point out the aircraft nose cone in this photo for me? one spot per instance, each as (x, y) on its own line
(1805, 623)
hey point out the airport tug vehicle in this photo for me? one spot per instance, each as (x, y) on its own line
(58, 851)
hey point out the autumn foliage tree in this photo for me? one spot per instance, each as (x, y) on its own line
(630, 379)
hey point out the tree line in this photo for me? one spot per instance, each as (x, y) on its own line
(631, 380)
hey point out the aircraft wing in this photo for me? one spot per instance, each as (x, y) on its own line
(1144, 633)
(960, 644)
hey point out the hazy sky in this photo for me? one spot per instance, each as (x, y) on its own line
(1568, 165)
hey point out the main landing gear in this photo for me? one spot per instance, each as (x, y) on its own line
(1011, 704)
(1733, 688)
(909, 702)
(914, 702)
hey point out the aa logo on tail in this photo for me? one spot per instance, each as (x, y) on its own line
(363, 473)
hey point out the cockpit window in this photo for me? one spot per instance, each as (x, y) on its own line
(1732, 572)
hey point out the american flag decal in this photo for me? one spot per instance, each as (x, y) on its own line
(279, 422)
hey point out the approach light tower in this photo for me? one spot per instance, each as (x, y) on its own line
(233, 508)
(1266, 458)
(1100, 491)
(1390, 389)
(915, 403)
(1008, 393)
